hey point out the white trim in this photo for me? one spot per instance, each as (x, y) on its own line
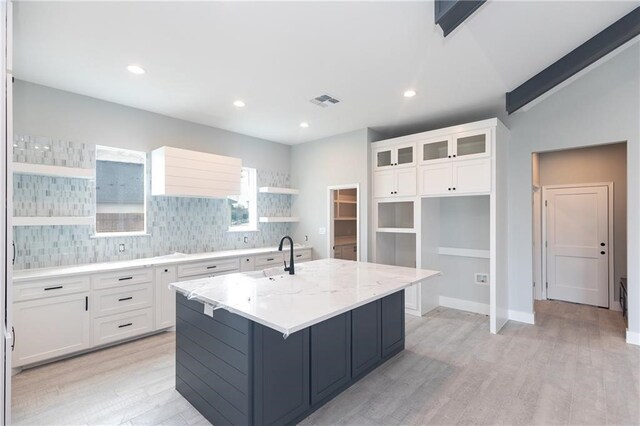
(611, 285)
(525, 317)
(462, 252)
(397, 230)
(330, 210)
(633, 338)
(464, 305)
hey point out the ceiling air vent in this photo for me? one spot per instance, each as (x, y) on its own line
(324, 101)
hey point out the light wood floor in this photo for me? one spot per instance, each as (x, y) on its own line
(573, 367)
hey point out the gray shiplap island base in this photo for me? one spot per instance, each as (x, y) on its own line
(235, 370)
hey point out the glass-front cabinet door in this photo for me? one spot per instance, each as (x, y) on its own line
(472, 144)
(384, 157)
(405, 155)
(436, 150)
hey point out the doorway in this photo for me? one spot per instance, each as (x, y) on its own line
(585, 192)
(344, 218)
(577, 250)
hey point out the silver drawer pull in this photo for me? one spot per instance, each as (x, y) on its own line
(125, 278)
(125, 298)
(125, 325)
(58, 287)
(212, 267)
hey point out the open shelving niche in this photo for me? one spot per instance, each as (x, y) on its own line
(52, 171)
(281, 191)
(345, 212)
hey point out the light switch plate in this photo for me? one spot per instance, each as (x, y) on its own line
(322, 230)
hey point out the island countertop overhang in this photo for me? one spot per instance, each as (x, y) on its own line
(320, 290)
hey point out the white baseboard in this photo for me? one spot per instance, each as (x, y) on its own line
(525, 317)
(633, 338)
(464, 305)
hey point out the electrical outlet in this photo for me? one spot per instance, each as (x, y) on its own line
(121, 248)
(481, 278)
(246, 239)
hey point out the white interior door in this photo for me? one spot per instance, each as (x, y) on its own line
(578, 244)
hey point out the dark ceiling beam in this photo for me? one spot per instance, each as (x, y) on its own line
(603, 43)
(451, 13)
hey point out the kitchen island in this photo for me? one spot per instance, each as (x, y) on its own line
(270, 348)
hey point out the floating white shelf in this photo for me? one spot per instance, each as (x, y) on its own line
(277, 190)
(57, 171)
(397, 230)
(274, 219)
(51, 221)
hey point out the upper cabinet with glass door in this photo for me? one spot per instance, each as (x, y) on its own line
(403, 155)
(465, 145)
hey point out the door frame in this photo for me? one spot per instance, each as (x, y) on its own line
(611, 257)
(330, 244)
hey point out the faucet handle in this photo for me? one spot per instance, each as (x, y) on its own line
(285, 265)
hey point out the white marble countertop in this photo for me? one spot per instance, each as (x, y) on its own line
(175, 258)
(319, 290)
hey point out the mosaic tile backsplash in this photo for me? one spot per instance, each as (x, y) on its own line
(188, 225)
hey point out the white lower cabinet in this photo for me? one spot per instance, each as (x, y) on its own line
(122, 326)
(118, 300)
(50, 327)
(165, 297)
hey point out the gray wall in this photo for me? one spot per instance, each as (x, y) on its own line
(341, 159)
(43, 111)
(606, 163)
(603, 106)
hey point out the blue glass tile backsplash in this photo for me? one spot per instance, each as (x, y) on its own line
(188, 225)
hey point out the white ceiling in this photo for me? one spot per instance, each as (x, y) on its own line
(200, 57)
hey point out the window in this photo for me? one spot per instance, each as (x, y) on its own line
(120, 191)
(242, 207)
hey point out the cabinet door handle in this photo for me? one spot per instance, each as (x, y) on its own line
(602, 252)
(454, 189)
(125, 325)
(166, 270)
(449, 189)
(53, 288)
(602, 244)
(454, 156)
(86, 303)
(449, 156)
(212, 267)
(125, 278)
(13, 260)
(125, 298)
(13, 340)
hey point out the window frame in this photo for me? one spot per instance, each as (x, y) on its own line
(252, 226)
(144, 232)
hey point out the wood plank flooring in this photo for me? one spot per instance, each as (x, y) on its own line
(573, 367)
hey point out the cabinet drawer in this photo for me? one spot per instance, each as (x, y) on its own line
(302, 255)
(122, 326)
(50, 287)
(205, 267)
(268, 260)
(117, 300)
(122, 278)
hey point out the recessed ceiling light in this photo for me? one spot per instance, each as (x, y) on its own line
(238, 103)
(135, 69)
(304, 124)
(409, 93)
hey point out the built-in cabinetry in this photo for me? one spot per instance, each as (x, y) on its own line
(465, 161)
(57, 316)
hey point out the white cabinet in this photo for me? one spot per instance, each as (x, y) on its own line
(402, 155)
(182, 173)
(50, 327)
(463, 145)
(165, 298)
(457, 177)
(395, 183)
(122, 326)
